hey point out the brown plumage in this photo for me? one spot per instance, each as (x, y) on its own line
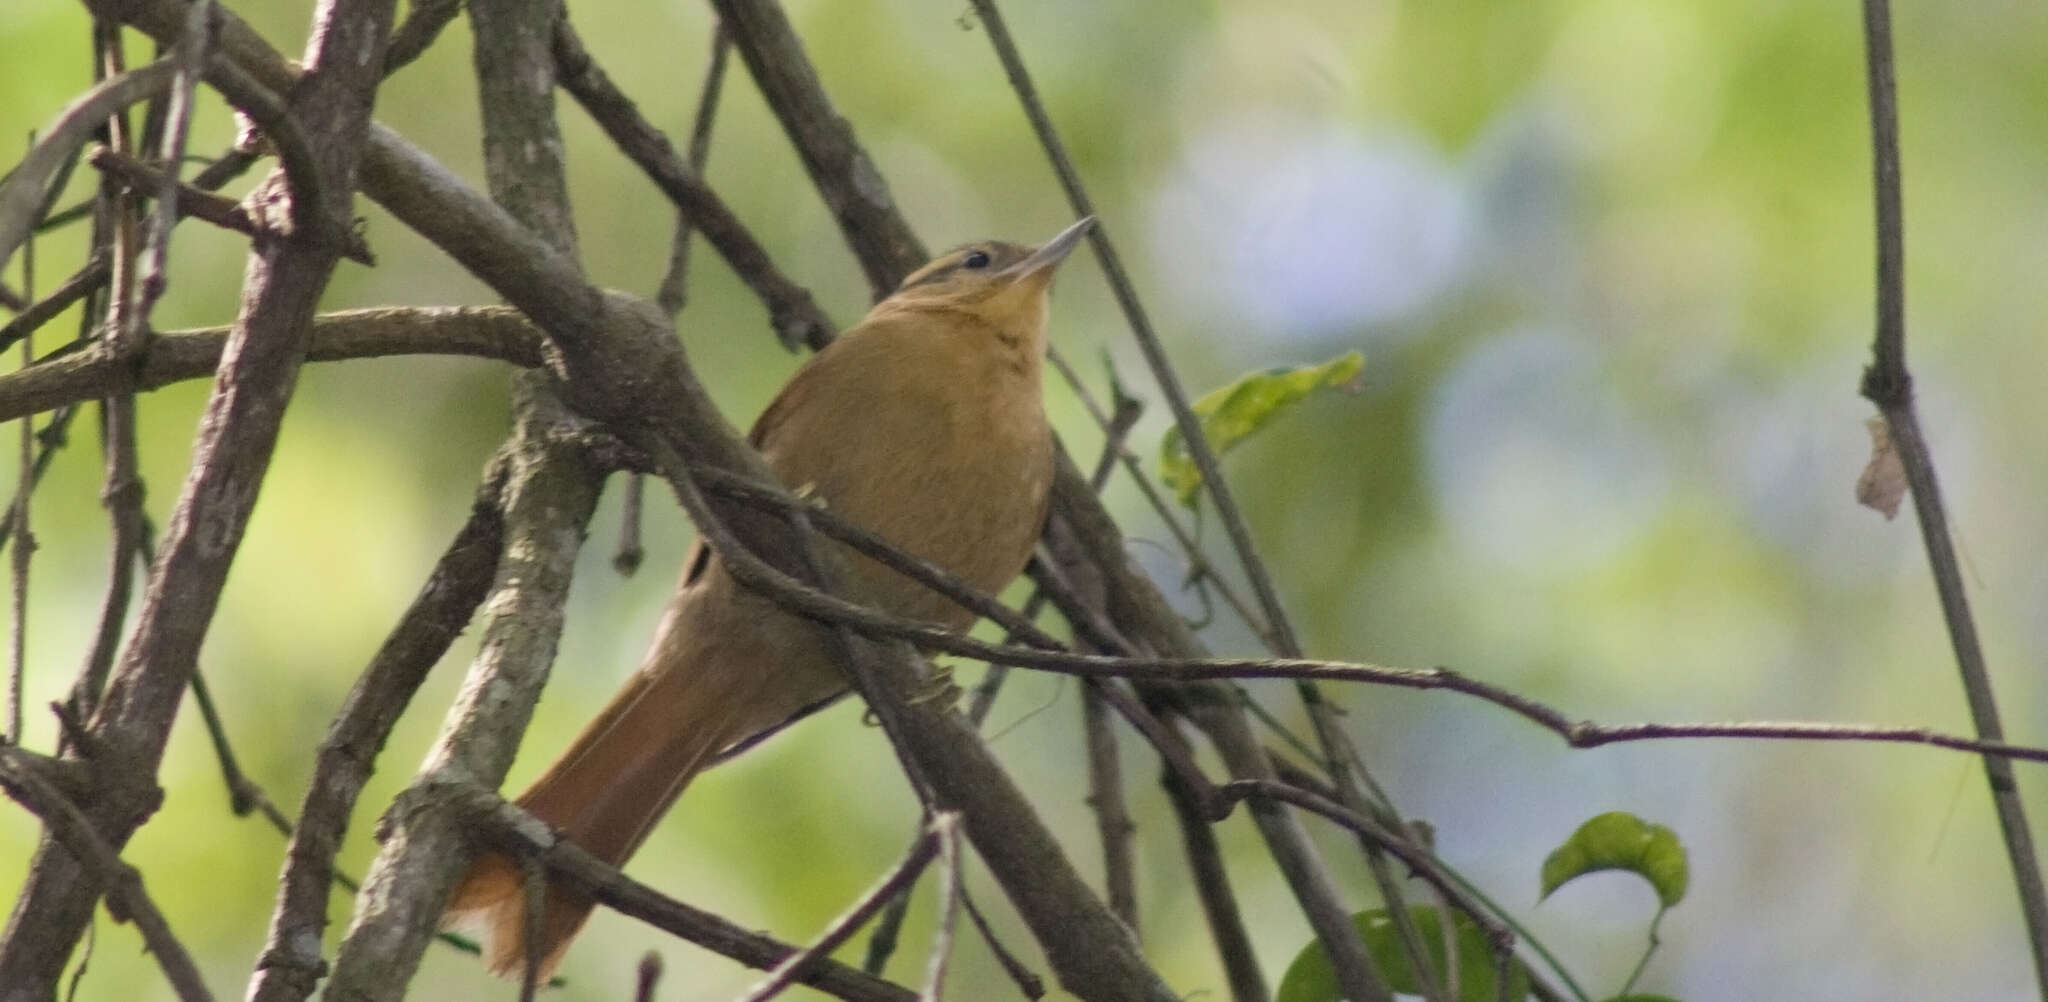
(924, 424)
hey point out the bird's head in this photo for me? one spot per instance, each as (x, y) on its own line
(1003, 284)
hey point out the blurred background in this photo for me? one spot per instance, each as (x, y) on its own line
(1609, 262)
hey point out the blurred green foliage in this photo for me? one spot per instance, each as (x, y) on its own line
(1611, 259)
(1312, 978)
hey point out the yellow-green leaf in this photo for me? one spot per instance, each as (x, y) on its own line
(1311, 978)
(1619, 840)
(1232, 413)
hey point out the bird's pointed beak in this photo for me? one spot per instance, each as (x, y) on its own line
(1052, 252)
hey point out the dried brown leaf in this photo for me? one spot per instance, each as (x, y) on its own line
(1883, 483)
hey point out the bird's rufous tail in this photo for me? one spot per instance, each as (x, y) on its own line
(605, 794)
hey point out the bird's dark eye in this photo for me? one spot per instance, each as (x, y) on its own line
(977, 259)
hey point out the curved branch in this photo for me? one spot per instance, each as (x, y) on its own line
(69, 827)
(494, 332)
(509, 829)
(21, 196)
(823, 606)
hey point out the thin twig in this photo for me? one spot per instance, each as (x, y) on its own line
(1199, 568)
(674, 288)
(808, 601)
(17, 661)
(840, 169)
(1106, 795)
(1141, 326)
(1026, 980)
(796, 317)
(121, 491)
(950, 891)
(1279, 630)
(1418, 858)
(191, 55)
(197, 202)
(1212, 887)
(1888, 384)
(505, 827)
(81, 283)
(244, 795)
(23, 190)
(921, 852)
(645, 976)
(290, 964)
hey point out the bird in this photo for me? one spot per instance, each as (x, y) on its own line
(925, 424)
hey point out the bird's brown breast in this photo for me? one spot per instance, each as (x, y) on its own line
(930, 434)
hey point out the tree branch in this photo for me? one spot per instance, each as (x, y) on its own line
(23, 191)
(258, 371)
(509, 829)
(226, 213)
(796, 318)
(73, 832)
(290, 963)
(898, 879)
(1212, 886)
(1888, 385)
(842, 172)
(81, 373)
(551, 494)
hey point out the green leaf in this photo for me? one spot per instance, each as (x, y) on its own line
(1231, 414)
(1619, 840)
(1310, 978)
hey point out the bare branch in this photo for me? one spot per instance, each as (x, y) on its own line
(290, 963)
(423, 22)
(550, 496)
(947, 827)
(199, 203)
(72, 830)
(191, 57)
(237, 436)
(1106, 795)
(899, 877)
(24, 547)
(673, 291)
(842, 172)
(494, 332)
(645, 977)
(81, 284)
(1212, 887)
(507, 828)
(1888, 385)
(796, 318)
(23, 192)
